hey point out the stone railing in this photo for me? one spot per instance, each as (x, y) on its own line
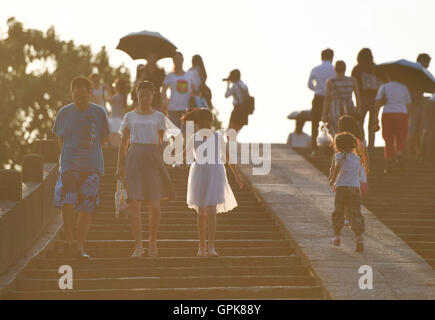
(26, 201)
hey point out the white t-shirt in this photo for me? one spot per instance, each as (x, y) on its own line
(397, 97)
(144, 128)
(350, 172)
(236, 91)
(318, 77)
(301, 140)
(181, 88)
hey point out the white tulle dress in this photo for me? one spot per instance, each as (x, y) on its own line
(208, 184)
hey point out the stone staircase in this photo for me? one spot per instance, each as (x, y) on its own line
(256, 260)
(404, 203)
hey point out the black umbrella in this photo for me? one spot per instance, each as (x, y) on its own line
(411, 74)
(138, 45)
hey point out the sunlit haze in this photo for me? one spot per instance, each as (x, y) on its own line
(275, 44)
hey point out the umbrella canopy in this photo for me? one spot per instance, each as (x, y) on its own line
(411, 74)
(138, 45)
(304, 115)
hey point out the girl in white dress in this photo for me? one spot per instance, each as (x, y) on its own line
(208, 190)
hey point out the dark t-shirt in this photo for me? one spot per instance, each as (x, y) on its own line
(156, 77)
(368, 83)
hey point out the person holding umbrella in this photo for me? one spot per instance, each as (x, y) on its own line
(151, 72)
(152, 46)
(180, 83)
(395, 98)
(402, 76)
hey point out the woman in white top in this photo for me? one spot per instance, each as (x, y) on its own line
(239, 91)
(395, 97)
(208, 190)
(146, 176)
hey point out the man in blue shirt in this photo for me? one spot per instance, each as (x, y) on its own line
(82, 129)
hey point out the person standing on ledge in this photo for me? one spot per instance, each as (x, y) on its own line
(317, 83)
(82, 129)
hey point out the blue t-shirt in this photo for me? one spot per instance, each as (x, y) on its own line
(82, 132)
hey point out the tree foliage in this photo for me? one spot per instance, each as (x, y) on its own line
(36, 69)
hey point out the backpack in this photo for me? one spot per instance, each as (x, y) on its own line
(248, 101)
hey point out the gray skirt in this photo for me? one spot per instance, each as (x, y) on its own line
(146, 175)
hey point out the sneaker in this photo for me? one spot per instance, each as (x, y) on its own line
(83, 255)
(212, 253)
(335, 241)
(202, 252)
(359, 244)
(138, 253)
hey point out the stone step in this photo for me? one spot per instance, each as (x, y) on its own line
(190, 243)
(421, 245)
(191, 219)
(186, 227)
(146, 262)
(411, 222)
(186, 214)
(171, 207)
(283, 270)
(166, 282)
(126, 235)
(422, 230)
(180, 252)
(232, 292)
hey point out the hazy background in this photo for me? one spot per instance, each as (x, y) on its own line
(274, 43)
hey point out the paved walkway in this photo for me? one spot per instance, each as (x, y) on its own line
(300, 198)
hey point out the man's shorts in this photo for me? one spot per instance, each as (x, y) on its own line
(79, 189)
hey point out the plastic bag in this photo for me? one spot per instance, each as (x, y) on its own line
(324, 139)
(120, 198)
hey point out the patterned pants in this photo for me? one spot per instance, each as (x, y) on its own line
(350, 198)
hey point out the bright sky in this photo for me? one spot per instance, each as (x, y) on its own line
(274, 43)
